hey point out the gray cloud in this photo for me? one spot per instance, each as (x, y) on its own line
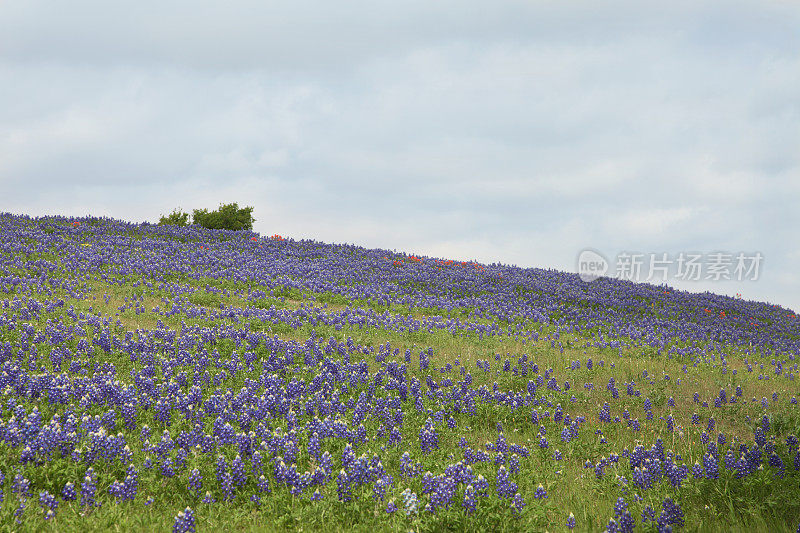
(518, 133)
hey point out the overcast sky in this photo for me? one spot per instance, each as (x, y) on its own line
(508, 131)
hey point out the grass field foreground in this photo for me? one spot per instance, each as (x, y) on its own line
(156, 378)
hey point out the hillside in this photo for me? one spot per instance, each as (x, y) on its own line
(264, 382)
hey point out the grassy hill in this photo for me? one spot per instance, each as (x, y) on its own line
(272, 384)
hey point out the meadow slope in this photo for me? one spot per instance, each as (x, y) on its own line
(159, 378)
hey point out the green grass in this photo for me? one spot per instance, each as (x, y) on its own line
(761, 502)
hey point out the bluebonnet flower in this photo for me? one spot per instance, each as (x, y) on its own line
(48, 502)
(89, 489)
(167, 469)
(642, 477)
(470, 499)
(238, 471)
(184, 522)
(759, 436)
(513, 463)
(379, 488)
(410, 502)
(131, 484)
(622, 522)
(517, 504)
(598, 468)
(605, 413)
(776, 462)
(791, 443)
(21, 486)
(68, 492)
(195, 482)
(21, 509)
(481, 484)
(671, 514)
(730, 460)
(711, 466)
(226, 484)
(505, 487)
(343, 487)
(407, 469)
(429, 439)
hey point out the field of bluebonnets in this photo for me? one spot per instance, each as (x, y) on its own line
(158, 378)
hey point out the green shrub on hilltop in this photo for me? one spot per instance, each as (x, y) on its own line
(229, 216)
(176, 218)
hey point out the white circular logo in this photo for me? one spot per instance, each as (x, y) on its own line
(591, 265)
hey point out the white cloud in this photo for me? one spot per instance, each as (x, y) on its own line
(519, 133)
(650, 223)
